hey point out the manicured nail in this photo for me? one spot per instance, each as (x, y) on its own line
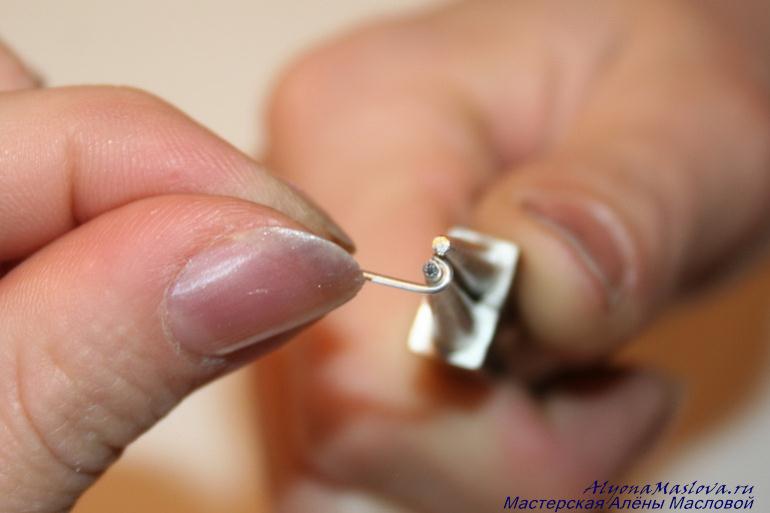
(590, 234)
(256, 285)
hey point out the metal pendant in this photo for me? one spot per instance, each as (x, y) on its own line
(468, 281)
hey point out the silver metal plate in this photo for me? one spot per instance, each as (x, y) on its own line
(468, 348)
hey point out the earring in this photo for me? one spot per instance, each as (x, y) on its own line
(467, 283)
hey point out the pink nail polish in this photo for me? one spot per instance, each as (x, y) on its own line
(256, 285)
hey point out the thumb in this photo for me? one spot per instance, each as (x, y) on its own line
(108, 327)
(614, 226)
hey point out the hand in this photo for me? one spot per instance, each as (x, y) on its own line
(141, 257)
(625, 146)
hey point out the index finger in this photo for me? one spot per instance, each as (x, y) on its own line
(70, 154)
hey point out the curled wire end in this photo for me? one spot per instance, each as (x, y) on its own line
(438, 275)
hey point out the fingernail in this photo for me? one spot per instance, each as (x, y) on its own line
(338, 235)
(587, 230)
(319, 221)
(256, 285)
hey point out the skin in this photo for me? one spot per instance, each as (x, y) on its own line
(608, 139)
(624, 145)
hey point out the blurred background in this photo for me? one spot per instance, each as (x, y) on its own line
(217, 60)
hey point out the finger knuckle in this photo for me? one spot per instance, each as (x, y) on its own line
(72, 416)
(30, 455)
(115, 103)
(342, 75)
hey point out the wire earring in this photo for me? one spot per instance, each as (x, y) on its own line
(467, 284)
(437, 271)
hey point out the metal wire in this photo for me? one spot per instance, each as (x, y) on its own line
(435, 284)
